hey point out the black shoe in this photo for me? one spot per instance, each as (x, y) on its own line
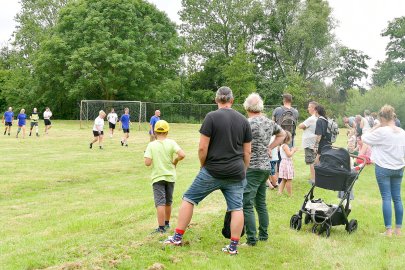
(122, 143)
(9, 134)
(126, 145)
(101, 148)
(91, 145)
(158, 230)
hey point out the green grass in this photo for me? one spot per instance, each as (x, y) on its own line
(64, 206)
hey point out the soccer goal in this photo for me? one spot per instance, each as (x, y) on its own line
(89, 110)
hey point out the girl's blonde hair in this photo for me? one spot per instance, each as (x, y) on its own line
(387, 112)
(287, 138)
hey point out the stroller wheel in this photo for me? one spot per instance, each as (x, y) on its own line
(352, 226)
(296, 222)
(307, 219)
(327, 231)
(315, 228)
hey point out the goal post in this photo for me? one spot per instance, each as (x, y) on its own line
(89, 110)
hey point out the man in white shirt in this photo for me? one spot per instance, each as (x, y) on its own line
(112, 118)
(98, 130)
(47, 119)
(309, 138)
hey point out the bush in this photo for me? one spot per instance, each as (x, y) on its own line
(377, 97)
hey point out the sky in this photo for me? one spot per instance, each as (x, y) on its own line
(360, 22)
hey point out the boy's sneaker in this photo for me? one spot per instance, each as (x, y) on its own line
(167, 227)
(171, 241)
(91, 145)
(158, 230)
(122, 143)
(126, 145)
(101, 148)
(226, 249)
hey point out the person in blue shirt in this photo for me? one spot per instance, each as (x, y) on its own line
(152, 123)
(125, 123)
(21, 123)
(8, 118)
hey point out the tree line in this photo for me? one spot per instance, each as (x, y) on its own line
(63, 51)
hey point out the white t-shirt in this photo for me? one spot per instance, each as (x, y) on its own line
(366, 125)
(309, 137)
(47, 114)
(112, 118)
(98, 122)
(388, 146)
(274, 151)
(283, 154)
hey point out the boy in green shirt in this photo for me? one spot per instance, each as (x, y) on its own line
(159, 155)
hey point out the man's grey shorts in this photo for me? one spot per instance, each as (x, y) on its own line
(163, 193)
(310, 156)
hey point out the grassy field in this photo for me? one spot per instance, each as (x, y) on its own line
(64, 206)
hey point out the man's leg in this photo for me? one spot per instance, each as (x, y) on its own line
(237, 224)
(261, 208)
(249, 195)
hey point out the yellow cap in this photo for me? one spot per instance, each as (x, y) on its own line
(161, 126)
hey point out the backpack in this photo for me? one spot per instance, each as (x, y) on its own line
(370, 121)
(226, 230)
(332, 129)
(287, 120)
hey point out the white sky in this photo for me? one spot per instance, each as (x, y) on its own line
(360, 21)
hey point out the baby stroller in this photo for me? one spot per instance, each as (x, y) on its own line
(332, 173)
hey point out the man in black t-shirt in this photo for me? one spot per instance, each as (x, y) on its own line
(224, 152)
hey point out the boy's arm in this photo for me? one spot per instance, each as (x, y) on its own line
(180, 156)
(148, 161)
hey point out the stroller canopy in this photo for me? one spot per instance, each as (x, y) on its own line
(338, 158)
(333, 171)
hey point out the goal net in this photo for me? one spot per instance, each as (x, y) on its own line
(89, 110)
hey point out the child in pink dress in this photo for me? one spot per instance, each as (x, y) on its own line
(286, 170)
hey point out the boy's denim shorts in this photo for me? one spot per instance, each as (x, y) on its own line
(204, 184)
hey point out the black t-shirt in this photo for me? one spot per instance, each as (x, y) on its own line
(228, 131)
(321, 129)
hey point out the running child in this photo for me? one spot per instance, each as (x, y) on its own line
(159, 154)
(98, 132)
(125, 123)
(34, 121)
(8, 119)
(47, 119)
(112, 118)
(21, 123)
(286, 170)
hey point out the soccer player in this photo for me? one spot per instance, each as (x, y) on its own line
(98, 130)
(47, 119)
(112, 118)
(8, 118)
(152, 123)
(125, 122)
(21, 123)
(34, 121)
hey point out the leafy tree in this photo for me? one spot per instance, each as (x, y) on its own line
(296, 38)
(393, 67)
(101, 49)
(240, 75)
(375, 98)
(352, 67)
(218, 26)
